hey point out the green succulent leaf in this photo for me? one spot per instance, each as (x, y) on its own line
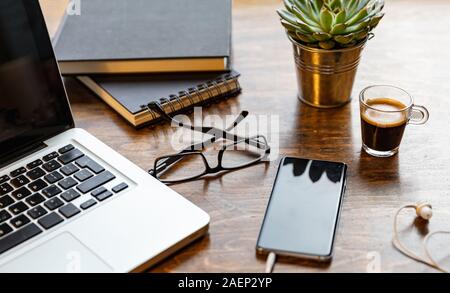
(292, 28)
(317, 5)
(338, 29)
(344, 39)
(305, 38)
(304, 17)
(313, 6)
(357, 27)
(320, 36)
(361, 35)
(326, 19)
(307, 28)
(351, 7)
(375, 20)
(339, 17)
(363, 13)
(334, 4)
(327, 45)
(288, 4)
(286, 15)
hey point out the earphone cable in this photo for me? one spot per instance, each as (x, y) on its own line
(403, 249)
(427, 251)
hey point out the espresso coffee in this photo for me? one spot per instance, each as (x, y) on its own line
(383, 131)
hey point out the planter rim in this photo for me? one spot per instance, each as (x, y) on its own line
(318, 50)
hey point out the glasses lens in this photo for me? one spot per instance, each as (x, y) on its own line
(242, 154)
(184, 168)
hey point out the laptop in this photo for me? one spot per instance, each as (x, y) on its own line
(68, 202)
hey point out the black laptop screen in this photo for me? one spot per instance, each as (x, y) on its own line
(33, 103)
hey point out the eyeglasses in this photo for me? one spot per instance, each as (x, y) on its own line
(190, 164)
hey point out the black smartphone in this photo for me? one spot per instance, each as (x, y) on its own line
(303, 211)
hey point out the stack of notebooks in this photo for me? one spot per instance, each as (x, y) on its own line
(130, 53)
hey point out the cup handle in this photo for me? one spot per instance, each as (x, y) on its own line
(419, 115)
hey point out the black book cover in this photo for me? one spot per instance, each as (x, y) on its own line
(146, 29)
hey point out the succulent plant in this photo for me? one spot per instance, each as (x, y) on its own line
(330, 24)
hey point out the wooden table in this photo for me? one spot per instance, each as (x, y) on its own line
(410, 50)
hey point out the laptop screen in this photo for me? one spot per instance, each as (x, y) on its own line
(33, 103)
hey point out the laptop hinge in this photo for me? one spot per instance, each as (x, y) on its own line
(21, 153)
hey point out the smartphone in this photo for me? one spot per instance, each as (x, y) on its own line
(303, 211)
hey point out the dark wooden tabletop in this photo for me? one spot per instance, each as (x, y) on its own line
(410, 50)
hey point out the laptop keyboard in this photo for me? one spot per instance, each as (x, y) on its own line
(38, 196)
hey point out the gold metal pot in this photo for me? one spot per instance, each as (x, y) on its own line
(325, 77)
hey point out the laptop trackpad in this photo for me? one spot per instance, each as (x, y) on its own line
(64, 253)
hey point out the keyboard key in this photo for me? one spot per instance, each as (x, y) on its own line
(21, 193)
(70, 156)
(53, 177)
(87, 204)
(69, 169)
(34, 164)
(50, 220)
(19, 181)
(53, 203)
(37, 185)
(104, 195)
(18, 208)
(4, 215)
(65, 149)
(17, 172)
(4, 178)
(51, 166)
(67, 183)
(50, 156)
(69, 210)
(36, 173)
(89, 163)
(98, 191)
(120, 187)
(5, 188)
(51, 191)
(70, 195)
(95, 182)
(20, 221)
(5, 201)
(35, 199)
(4, 229)
(37, 212)
(18, 237)
(83, 175)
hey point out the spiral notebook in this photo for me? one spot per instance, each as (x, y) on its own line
(177, 93)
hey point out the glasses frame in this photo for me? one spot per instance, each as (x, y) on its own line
(170, 160)
(163, 163)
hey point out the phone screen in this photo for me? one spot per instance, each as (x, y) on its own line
(303, 209)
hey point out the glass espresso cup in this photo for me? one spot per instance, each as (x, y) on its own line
(385, 112)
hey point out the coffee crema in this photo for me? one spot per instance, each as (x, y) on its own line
(383, 123)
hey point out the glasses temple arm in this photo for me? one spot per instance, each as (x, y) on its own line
(238, 120)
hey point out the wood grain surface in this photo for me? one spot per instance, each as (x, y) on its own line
(410, 50)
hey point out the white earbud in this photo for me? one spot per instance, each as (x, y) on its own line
(424, 211)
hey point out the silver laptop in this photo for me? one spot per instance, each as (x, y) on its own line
(68, 202)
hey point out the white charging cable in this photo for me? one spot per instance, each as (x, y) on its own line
(270, 262)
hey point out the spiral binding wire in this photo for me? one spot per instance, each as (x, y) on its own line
(198, 91)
